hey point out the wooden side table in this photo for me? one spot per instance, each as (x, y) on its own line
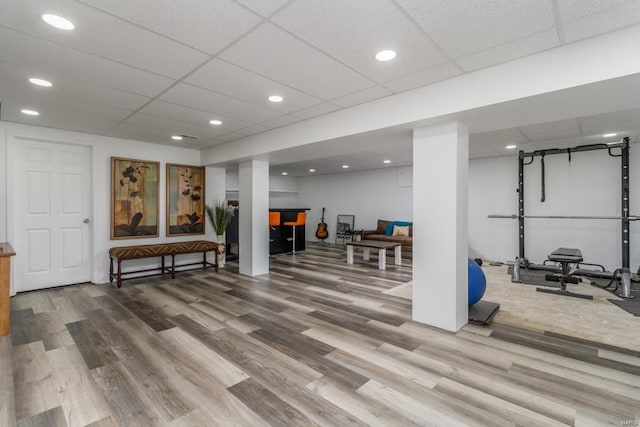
(6, 252)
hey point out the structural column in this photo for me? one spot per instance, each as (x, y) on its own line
(440, 232)
(254, 223)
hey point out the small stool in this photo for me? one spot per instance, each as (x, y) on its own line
(564, 256)
(274, 221)
(300, 220)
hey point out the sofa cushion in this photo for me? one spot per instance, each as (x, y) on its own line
(399, 230)
(405, 240)
(375, 237)
(389, 229)
(382, 226)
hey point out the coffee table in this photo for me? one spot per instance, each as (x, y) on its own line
(382, 247)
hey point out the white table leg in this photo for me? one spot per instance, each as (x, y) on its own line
(398, 254)
(382, 259)
(349, 254)
(365, 254)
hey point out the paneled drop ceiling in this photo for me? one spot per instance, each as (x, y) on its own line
(150, 69)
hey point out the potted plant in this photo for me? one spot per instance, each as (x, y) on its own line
(220, 216)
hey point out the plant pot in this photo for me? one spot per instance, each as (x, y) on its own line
(220, 255)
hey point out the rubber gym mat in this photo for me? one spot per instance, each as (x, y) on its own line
(482, 312)
(533, 277)
(631, 306)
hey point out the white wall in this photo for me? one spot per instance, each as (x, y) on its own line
(283, 190)
(369, 195)
(589, 185)
(102, 149)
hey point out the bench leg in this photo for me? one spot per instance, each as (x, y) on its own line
(365, 254)
(162, 265)
(173, 266)
(349, 254)
(110, 269)
(398, 253)
(119, 272)
(204, 260)
(382, 259)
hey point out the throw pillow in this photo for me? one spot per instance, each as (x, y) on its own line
(389, 230)
(399, 230)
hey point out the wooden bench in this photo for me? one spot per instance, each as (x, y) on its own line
(124, 253)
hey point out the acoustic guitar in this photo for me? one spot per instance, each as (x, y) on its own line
(321, 232)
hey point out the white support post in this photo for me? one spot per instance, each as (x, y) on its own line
(254, 217)
(440, 243)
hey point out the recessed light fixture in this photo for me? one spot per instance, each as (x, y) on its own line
(386, 161)
(58, 22)
(345, 166)
(275, 98)
(385, 55)
(40, 82)
(176, 137)
(285, 173)
(312, 170)
(29, 112)
(609, 135)
(215, 122)
(510, 147)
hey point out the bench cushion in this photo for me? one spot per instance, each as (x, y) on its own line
(566, 255)
(162, 249)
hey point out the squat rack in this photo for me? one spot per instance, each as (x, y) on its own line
(525, 159)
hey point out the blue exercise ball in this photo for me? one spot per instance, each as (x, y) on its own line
(477, 282)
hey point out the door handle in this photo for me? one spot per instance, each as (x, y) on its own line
(86, 221)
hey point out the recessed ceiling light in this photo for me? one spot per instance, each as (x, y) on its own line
(58, 22)
(275, 98)
(385, 55)
(510, 147)
(29, 112)
(285, 173)
(609, 135)
(312, 170)
(386, 161)
(215, 122)
(345, 166)
(40, 82)
(176, 137)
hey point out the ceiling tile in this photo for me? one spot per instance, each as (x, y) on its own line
(263, 7)
(281, 121)
(173, 127)
(47, 57)
(135, 132)
(103, 35)
(203, 24)
(231, 80)
(424, 77)
(195, 117)
(14, 85)
(524, 46)
(553, 135)
(608, 20)
(317, 110)
(252, 130)
(89, 118)
(273, 53)
(233, 136)
(570, 10)
(610, 119)
(464, 27)
(362, 96)
(369, 26)
(205, 100)
(497, 139)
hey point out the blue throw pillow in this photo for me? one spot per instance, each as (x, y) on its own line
(389, 230)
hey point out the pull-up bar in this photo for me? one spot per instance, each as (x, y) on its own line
(630, 218)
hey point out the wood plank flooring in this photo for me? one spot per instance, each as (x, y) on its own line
(315, 342)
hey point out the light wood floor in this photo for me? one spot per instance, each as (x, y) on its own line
(316, 342)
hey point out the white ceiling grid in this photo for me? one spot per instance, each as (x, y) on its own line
(148, 69)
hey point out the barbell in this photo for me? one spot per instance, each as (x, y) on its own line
(630, 218)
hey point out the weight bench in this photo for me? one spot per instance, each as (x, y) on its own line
(565, 257)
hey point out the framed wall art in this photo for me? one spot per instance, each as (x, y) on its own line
(185, 200)
(134, 198)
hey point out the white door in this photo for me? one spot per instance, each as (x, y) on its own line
(51, 191)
